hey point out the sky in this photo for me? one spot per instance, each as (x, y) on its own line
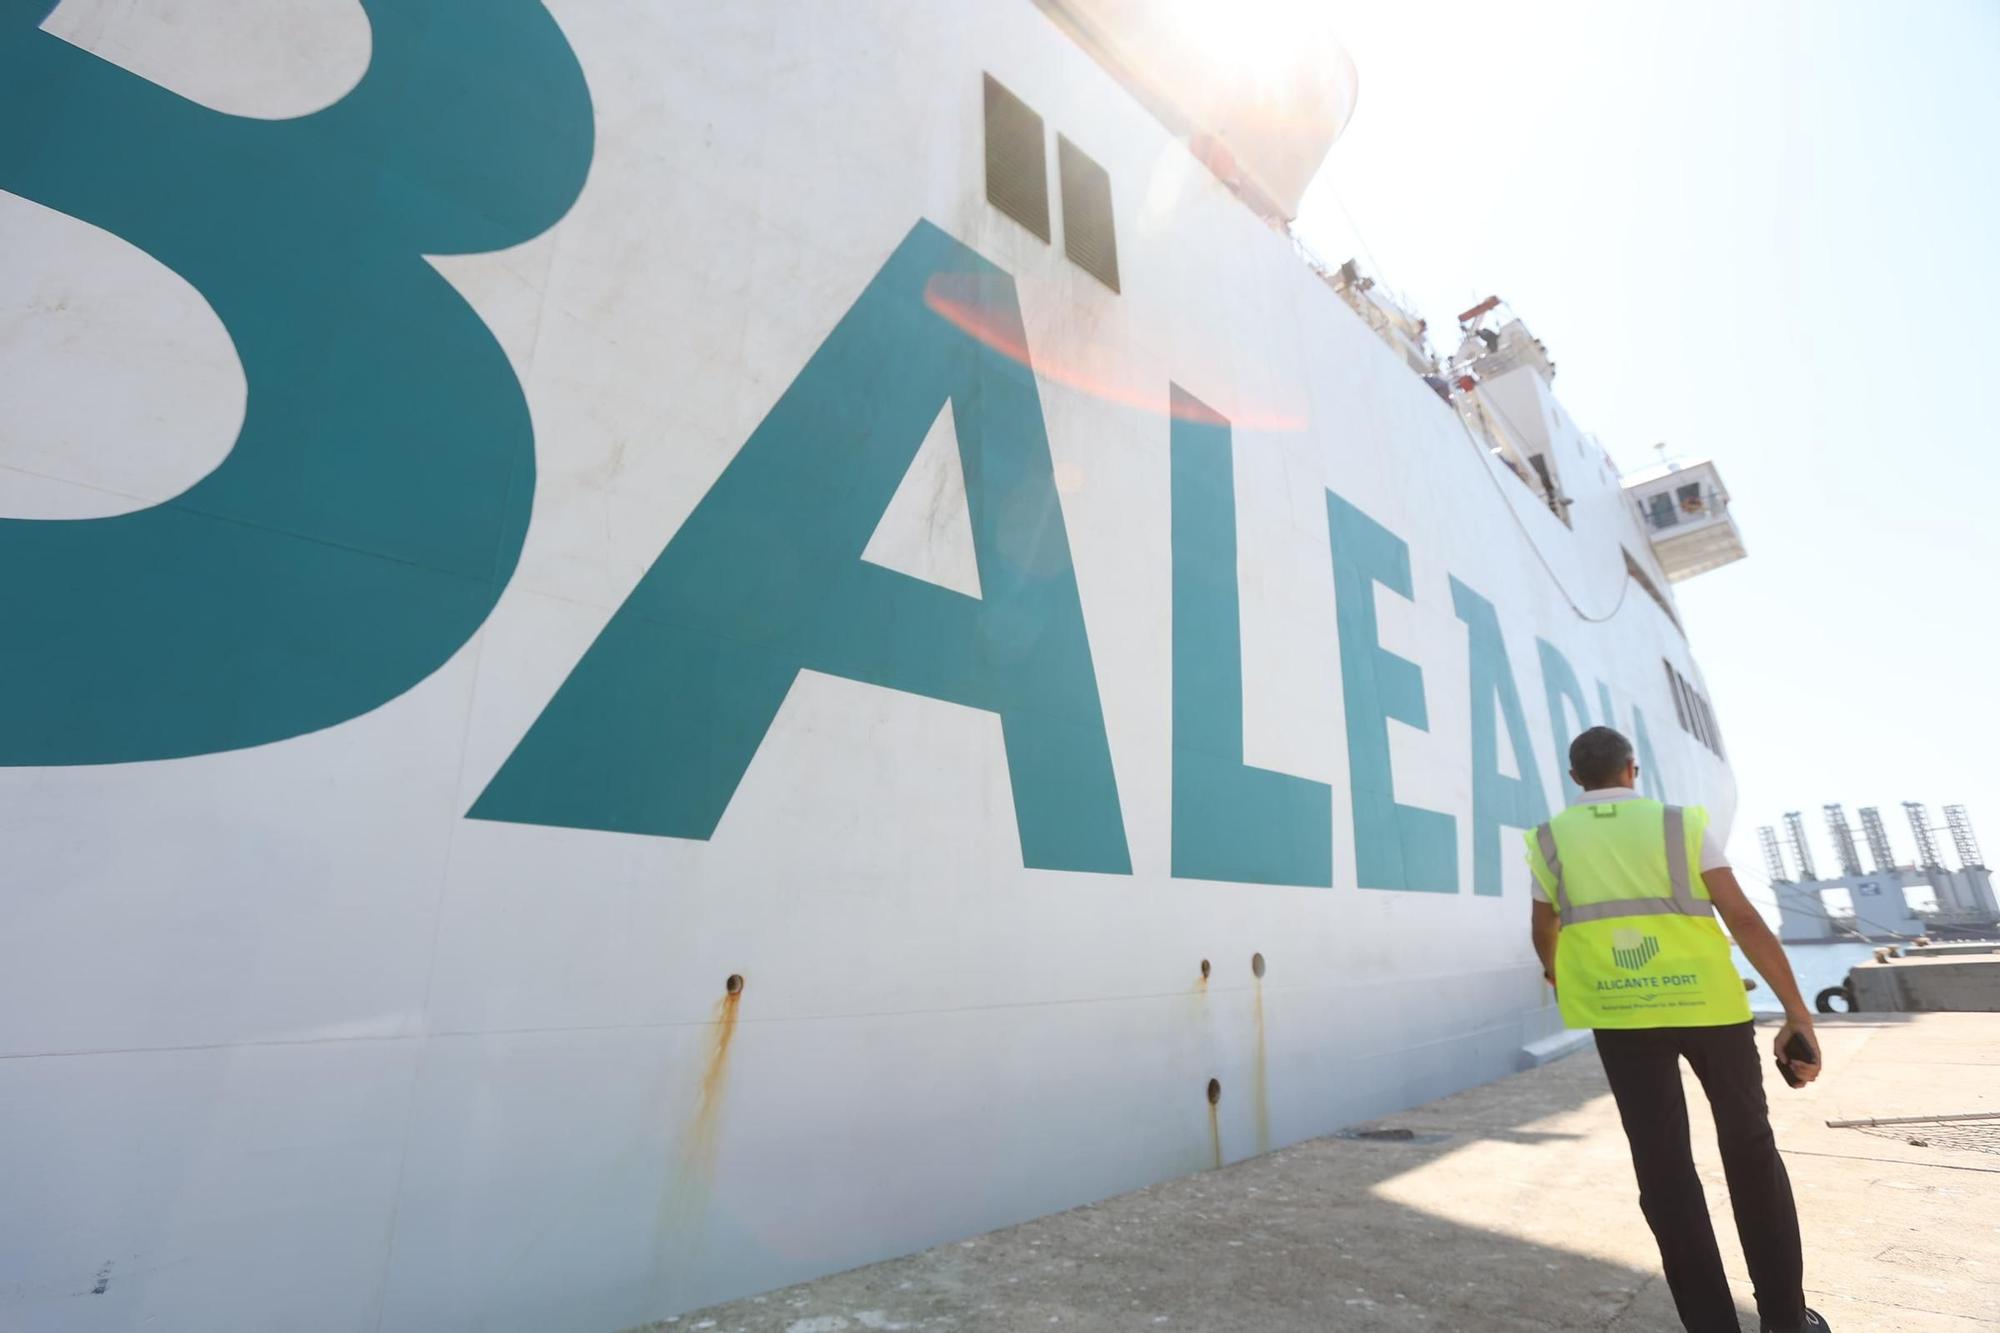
(1764, 233)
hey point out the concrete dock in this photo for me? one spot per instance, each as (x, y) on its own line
(1964, 978)
(1510, 1206)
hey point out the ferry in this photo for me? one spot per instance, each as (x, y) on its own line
(647, 650)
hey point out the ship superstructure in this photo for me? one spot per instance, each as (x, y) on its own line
(658, 649)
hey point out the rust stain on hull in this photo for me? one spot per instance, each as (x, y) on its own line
(693, 1167)
(1260, 1092)
(1198, 997)
(706, 1127)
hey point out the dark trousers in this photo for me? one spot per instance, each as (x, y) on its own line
(1643, 1066)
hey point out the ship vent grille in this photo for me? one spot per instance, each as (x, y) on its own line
(1089, 237)
(1697, 718)
(1017, 164)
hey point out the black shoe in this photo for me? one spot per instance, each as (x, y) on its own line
(1814, 1323)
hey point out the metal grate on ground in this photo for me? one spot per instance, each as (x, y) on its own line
(1975, 1132)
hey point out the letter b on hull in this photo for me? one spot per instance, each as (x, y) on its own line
(375, 501)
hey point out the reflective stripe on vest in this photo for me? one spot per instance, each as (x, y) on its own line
(1683, 903)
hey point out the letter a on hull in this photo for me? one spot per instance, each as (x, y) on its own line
(656, 726)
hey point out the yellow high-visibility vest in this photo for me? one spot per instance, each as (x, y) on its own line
(1640, 946)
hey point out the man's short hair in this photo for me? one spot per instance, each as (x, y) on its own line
(1598, 757)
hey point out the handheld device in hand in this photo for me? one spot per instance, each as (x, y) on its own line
(1798, 1048)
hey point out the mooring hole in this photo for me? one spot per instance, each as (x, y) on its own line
(1214, 1091)
(1204, 969)
(1257, 963)
(735, 983)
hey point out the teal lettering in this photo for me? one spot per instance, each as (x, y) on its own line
(657, 724)
(1565, 698)
(1496, 799)
(1563, 689)
(1231, 821)
(1396, 846)
(374, 503)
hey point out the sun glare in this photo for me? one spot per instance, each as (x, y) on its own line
(1262, 41)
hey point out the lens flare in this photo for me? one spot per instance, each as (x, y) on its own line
(959, 299)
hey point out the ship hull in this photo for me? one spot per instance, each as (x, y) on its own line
(388, 988)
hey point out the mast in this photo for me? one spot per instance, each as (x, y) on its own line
(1843, 840)
(1774, 856)
(1920, 827)
(1962, 839)
(1796, 827)
(1878, 840)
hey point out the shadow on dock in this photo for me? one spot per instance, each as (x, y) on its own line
(1509, 1206)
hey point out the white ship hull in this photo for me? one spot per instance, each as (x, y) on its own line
(349, 1029)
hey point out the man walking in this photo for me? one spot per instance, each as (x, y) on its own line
(1628, 938)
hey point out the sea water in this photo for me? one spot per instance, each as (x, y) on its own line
(1817, 966)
